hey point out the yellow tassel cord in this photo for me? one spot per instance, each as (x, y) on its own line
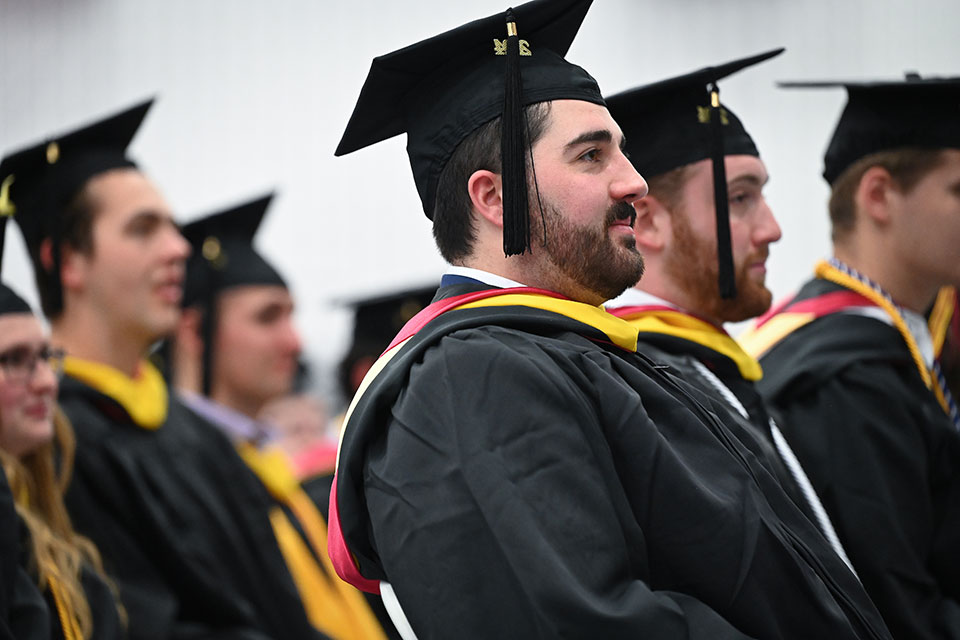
(68, 621)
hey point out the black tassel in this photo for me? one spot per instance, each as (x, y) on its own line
(726, 280)
(56, 284)
(214, 261)
(208, 334)
(516, 214)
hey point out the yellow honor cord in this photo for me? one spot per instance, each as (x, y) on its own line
(940, 317)
(826, 271)
(68, 620)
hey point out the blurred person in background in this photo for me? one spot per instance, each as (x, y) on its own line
(850, 368)
(181, 522)
(36, 450)
(705, 214)
(235, 350)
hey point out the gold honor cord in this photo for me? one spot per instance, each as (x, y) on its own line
(940, 317)
(68, 621)
(827, 271)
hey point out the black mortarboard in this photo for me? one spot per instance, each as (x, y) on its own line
(442, 89)
(882, 116)
(10, 302)
(377, 321)
(679, 121)
(223, 254)
(38, 182)
(223, 257)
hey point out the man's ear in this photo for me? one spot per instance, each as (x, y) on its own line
(188, 332)
(486, 194)
(72, 264)
(653, 226)
(875, 193)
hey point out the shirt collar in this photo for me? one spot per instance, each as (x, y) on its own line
(237, 426)
(485, 277)
(637, 298)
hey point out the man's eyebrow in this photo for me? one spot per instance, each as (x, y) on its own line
(751, 179)
(599, 135)
(150, 213)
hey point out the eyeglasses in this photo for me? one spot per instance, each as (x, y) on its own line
(20, 363)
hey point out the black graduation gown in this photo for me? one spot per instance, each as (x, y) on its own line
(883, 457)
(513, 475)
(26, 615)
(181, 523)
(754, 431)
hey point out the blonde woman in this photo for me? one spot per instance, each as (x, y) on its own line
(36, 449)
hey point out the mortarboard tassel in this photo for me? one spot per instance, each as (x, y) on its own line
(728, 286)
(7, 209)
(214, 259)
(516, 215)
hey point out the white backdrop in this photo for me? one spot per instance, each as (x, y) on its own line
(254, 96)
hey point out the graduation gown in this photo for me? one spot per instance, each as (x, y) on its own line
(881, 453)
(181, 523)
(25, 615)
(513, 474)
(689, 346)
(332, 606)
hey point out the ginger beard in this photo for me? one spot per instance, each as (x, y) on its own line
(692, 266)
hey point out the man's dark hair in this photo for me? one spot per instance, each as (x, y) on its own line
(453, 227)
(76, 232)
(906, 166)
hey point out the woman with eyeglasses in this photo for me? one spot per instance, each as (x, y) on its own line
(36, 449)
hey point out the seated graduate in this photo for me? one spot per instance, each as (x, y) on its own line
(849, 362)
(705, 215)
(512, 467)
(235, 350)
(64, 564)
(181, 522)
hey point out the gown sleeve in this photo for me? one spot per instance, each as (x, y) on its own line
(885, 464)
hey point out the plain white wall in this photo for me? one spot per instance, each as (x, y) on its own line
(254, 96)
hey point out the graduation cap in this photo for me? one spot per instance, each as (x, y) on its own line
(679, 121)
(10, 302)
(223, 257)
(881, 116)
(442, 89)
(377, 320)
(38, 182)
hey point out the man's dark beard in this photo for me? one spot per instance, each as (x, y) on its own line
(692, 266)
(587, 255)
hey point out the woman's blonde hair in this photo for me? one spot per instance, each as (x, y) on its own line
(57, 551)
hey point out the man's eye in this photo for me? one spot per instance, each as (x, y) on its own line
(142, 227)
(593, 155)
